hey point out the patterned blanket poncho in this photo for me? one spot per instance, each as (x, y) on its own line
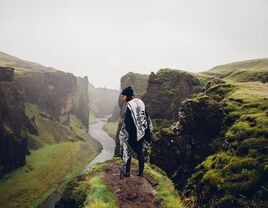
(137, 108)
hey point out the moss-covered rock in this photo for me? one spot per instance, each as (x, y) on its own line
(166, 90)
(179, 149)
(13, 133)
(81, 101)
(228, 179)
(53, 92)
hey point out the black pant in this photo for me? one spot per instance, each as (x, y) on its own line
(138, 149)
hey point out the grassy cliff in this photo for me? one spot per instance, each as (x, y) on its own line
(102, 187)
(57, 154)
(56, 141)
(220, 139)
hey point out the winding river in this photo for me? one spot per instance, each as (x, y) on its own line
(108, 144)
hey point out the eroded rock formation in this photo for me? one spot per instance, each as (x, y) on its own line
(166, 90)
(81, 101)
(13, 140)
(53, 92)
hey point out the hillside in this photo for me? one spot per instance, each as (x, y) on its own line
(220, 140)
(102, 187)
(48, 144)
(243, 71)
(22, 66)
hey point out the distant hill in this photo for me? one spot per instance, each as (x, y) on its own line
(243, 71)
(22, 66)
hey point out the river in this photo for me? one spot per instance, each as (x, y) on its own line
(108, 144)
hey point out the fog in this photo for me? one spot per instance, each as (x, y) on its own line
(106, 39)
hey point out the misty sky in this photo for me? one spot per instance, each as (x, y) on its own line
(106, 39)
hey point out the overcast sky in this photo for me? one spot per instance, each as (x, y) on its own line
(104, 39)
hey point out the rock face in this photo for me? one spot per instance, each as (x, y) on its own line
(6, 74)
(178, 152)
(53, 92)
(166, 90)
(81, 101)
(139, 84)
(216, 151)
(13, 141)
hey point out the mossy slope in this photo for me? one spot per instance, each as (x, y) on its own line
(221, 158)
(94, 188)
(244, 71)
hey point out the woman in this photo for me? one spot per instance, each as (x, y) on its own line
(136, 130)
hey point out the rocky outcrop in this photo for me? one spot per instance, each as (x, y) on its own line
(216, 151)
(166, 90)
(139, 84)
(178, 149)
(81, 101)
(53, 92)
(13, 134)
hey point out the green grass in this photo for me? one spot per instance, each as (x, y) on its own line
(76, 125)
(165, 189)
(249, 91)
(61, 156)
(90, 190)
(45, 168)
(243, 71)
(98, 195)
(111, 128)
(22, 67)
(51, 131)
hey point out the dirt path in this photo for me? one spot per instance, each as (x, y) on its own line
(133, 191)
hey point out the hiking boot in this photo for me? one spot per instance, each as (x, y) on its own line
(122, 175)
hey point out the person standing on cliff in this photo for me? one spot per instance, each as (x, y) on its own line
(135, 132)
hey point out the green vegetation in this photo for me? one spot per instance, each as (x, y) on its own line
(51, 131)
(244, 71)
(76, 125)
(45, 169)
(90, 190)
(111, 128)
(22, 66)
(165, 189)
(222, 158)
(61, 153)
(236, 176)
